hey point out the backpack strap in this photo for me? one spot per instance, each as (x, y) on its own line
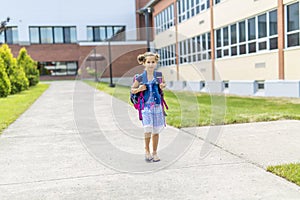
(163, 102)
(144, 77)
(141, 103)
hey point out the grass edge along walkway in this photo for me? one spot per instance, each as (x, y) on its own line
(188, 109)
(13, 106)
(290, 172)
(237, 112)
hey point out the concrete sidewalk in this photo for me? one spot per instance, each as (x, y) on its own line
(78, 143)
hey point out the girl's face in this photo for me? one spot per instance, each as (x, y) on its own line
(150, 62)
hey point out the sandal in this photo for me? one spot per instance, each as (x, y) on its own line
(156, 158)
(148, 157)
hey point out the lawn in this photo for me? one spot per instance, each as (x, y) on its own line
(188, 109)
(290, 172)
(14, 105)
(200, 109)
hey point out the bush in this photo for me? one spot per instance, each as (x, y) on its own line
(18, 79)
(29, 66)
(5, 86)
(16, 74)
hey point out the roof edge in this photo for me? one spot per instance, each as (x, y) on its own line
(150, 4)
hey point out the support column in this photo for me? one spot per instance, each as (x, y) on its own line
(176, 40)
(147, 22)
(212, 38)
(280, 29)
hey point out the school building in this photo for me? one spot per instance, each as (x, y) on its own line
(62, 35)
(249, 42)
(235, 45)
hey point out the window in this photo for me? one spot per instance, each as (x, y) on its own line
(233, 40)
(251, 29)
(258, 33)
(273, 35)
(34, 35)
(219, 43)
(219, 38)
(9, 35)
(242, 37)
(167, 56)
(292, 12)
(252, 35)
(262, 31)
(58, 68)
(58, 35)
(293, 17)
(189, 8)
(195, 49)
(46, 35)
(262, 26)
(50, 35)
(192, 8)
(202, 5)
(165, 19)
(2, 38)
(233, 34)
(225, 36)
(273, 22)
(104, 33)
(242, 32)
(217, 1)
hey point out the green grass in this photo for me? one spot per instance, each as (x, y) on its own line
(14, 105)
(290, 172)
(188, 109)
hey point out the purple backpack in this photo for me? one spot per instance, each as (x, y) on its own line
(138, 100)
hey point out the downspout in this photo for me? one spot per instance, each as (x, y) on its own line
(280, 28)
(212, 39)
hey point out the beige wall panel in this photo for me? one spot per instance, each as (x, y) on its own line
(231, 11)
(169, 73)
(165, 38)
(292, 65)
(194, 26)
(289, 1)
(188, 72)
(254, 67)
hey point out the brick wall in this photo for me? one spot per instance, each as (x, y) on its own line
(161, 5)
(50, 52)
(123, 56)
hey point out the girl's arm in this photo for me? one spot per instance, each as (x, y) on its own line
(136, 87)
(163, 84)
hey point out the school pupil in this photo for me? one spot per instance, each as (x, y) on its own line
(151, 83)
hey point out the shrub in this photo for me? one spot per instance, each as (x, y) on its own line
(5, 86)
(29, 66)
(18, 79)
(16, 74)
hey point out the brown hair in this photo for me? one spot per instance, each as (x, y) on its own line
(142, 57)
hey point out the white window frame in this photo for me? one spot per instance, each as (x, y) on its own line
(286, 33)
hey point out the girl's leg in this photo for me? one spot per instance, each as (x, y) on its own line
(147, 142)
(155, 138)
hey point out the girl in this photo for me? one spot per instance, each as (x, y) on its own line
(153, 115)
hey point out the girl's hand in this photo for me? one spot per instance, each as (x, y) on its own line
(142, 88)
(162, 85)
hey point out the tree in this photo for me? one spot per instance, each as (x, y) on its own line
(5, 86)
(18, 79)
(29, 66)
(16, 74)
